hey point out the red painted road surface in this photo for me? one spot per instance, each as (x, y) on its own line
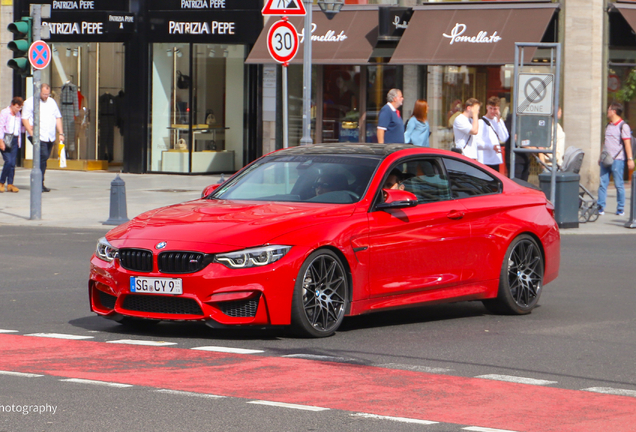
(381, 391)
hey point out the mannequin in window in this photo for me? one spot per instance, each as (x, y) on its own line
(69, 108)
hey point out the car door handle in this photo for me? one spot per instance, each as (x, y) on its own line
(455, 214)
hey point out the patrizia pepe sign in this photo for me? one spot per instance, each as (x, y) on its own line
(457, 35)
(329, 36)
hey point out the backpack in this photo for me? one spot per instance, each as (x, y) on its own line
(631, 137)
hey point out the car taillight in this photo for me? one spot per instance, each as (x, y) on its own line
(550, 207)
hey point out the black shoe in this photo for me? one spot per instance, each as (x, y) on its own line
(45, 189)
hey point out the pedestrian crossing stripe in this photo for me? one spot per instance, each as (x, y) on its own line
(284, 7)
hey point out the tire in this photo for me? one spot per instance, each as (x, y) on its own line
(320, 295)
(521, 278)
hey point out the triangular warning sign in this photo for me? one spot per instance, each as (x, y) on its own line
(284, 7)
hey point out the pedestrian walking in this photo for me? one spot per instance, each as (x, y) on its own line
(492, 133)
(50, 120)
(390, 123)
(10, 142)
(617, 146)
(417, 128)
(466, 129)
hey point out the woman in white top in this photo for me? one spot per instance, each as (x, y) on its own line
(492, 132)
(10, 129)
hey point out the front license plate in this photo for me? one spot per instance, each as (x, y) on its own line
(155, 285)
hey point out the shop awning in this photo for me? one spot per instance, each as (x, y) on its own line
(472, 34)
(349, 38)
(629, 13)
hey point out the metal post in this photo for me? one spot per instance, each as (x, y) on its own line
(285, 110)
(36, 172)
(306, 138)
(632, 205)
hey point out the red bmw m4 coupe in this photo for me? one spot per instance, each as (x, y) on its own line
(308, 235)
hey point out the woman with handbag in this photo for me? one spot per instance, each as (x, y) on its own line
(10, 130)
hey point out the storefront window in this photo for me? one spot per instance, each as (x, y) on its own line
(197, 107)
(380, 79)
(87, 82)
(341, 104)
(450, 86)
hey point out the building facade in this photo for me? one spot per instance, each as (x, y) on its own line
(188, 86)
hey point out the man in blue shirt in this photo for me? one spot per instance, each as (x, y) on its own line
(390, 124)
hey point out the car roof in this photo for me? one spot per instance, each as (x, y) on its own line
(381, 150)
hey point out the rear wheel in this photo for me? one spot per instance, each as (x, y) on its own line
(521, 279)
(320, 296)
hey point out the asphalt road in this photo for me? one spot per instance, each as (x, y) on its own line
(582, 336)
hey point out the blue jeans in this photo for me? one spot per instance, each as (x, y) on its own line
(9, 156)
(617, 170)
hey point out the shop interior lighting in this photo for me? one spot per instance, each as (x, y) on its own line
(211, 54)
(68, 52)
(179, 53)
(169, 52)
(75, 52)
(330, 7)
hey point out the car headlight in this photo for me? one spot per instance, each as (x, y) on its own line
(254, 257)
(105, 251)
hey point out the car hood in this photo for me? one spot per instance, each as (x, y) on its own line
(220, 222)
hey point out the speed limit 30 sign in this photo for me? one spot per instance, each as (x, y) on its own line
(282, 41)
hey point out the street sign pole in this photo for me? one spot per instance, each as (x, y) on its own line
(306, 137)
(36, 172)
(285, 110)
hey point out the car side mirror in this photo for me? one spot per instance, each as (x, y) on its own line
(209, 189)
(396, 199)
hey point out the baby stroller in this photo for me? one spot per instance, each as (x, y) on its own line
(572, 161)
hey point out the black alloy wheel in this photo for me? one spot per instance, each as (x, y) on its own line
(521, 279)
(320, 296)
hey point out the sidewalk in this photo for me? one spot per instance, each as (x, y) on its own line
(82, 200)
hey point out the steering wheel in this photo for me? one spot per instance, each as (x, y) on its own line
(352, 194)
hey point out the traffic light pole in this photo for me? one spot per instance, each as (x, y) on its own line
(36, 172)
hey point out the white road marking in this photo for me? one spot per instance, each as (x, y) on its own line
(228, 350)
(397, 419)
(483, 429)
(184, 393)
(320, 357)
(612, 391)
(515, 379)
(59, 336)
(141, 342)
(287, 405)
(415, 368)
(20, 374)
(8, 331)
(104, 383)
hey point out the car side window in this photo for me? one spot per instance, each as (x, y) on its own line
(424, 178)
(467, 180)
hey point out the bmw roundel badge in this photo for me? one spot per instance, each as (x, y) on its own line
(161, 245)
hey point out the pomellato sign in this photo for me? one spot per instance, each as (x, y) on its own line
(457, 36)
(328, 36)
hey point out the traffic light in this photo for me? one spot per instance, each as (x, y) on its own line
(23, 31)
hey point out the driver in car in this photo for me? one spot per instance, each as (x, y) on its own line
(330, 183)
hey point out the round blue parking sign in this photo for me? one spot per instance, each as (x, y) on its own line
(39, 55)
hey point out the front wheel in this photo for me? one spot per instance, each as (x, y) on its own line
(320, 296)
(521, 279)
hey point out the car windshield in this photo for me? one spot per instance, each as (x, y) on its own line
(335, 179)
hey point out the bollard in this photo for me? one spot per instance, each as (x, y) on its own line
(632, 210)
(117, 202)
(222, 179)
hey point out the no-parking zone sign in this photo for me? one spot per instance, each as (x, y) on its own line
(535, 94)
(282, 41)
(39, 55)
